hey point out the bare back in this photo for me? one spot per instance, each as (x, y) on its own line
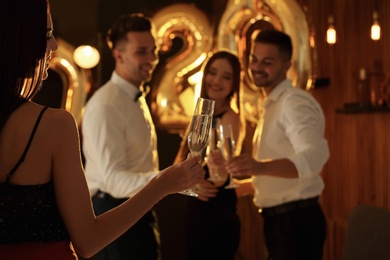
(36, 168)
(53, 156)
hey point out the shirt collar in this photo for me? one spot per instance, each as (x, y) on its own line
(132, 91)
(277, 91)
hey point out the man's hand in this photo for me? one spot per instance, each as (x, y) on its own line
(243, 165)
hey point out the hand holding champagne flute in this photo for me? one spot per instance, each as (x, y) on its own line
(198, 135)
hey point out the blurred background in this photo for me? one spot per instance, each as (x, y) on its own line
(341, 56)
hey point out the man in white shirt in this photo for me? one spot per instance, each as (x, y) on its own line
(289, 152)
(119, 138)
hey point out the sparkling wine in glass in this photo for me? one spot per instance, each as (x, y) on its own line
(227, 148)
(214, 145)
(199, 132)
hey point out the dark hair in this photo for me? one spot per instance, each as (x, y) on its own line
(127, 23)
(236, 67)
(23, 25)
(277, 38)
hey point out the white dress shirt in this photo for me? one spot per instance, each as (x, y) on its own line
(119, 140)
(293, 128)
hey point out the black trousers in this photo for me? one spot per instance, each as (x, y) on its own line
(140, 242)
(213, 227)
(298, 234)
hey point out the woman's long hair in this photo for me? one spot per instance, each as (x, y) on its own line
(22, 50)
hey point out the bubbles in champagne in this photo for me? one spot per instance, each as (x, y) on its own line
(228, 146)
(198, 135)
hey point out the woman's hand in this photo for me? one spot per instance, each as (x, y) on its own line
(181, 176)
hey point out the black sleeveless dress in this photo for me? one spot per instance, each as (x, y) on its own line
(30, 222)
(213, 227)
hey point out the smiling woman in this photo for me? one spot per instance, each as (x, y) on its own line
(212, 223)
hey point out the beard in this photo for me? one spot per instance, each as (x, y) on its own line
(262, 79)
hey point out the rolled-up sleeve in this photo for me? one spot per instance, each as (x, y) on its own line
(305, 126)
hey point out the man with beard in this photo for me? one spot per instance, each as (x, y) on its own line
(119, 138)
(289, 152)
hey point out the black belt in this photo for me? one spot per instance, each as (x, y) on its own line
(149, 216)
(103, 195)
(290, 206)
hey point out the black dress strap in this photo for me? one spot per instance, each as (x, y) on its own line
(27, 147)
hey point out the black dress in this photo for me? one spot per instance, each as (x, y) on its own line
(213, 227)
(31, 226)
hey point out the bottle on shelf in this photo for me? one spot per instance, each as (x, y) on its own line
(363, 89)
(376, 79)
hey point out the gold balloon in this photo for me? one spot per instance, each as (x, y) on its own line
(173, 94)
(191, 25)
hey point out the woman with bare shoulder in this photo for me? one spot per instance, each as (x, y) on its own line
(46, 210)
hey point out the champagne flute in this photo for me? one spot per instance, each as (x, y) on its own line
(214, 145)
(199, 132)
(228, 148)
